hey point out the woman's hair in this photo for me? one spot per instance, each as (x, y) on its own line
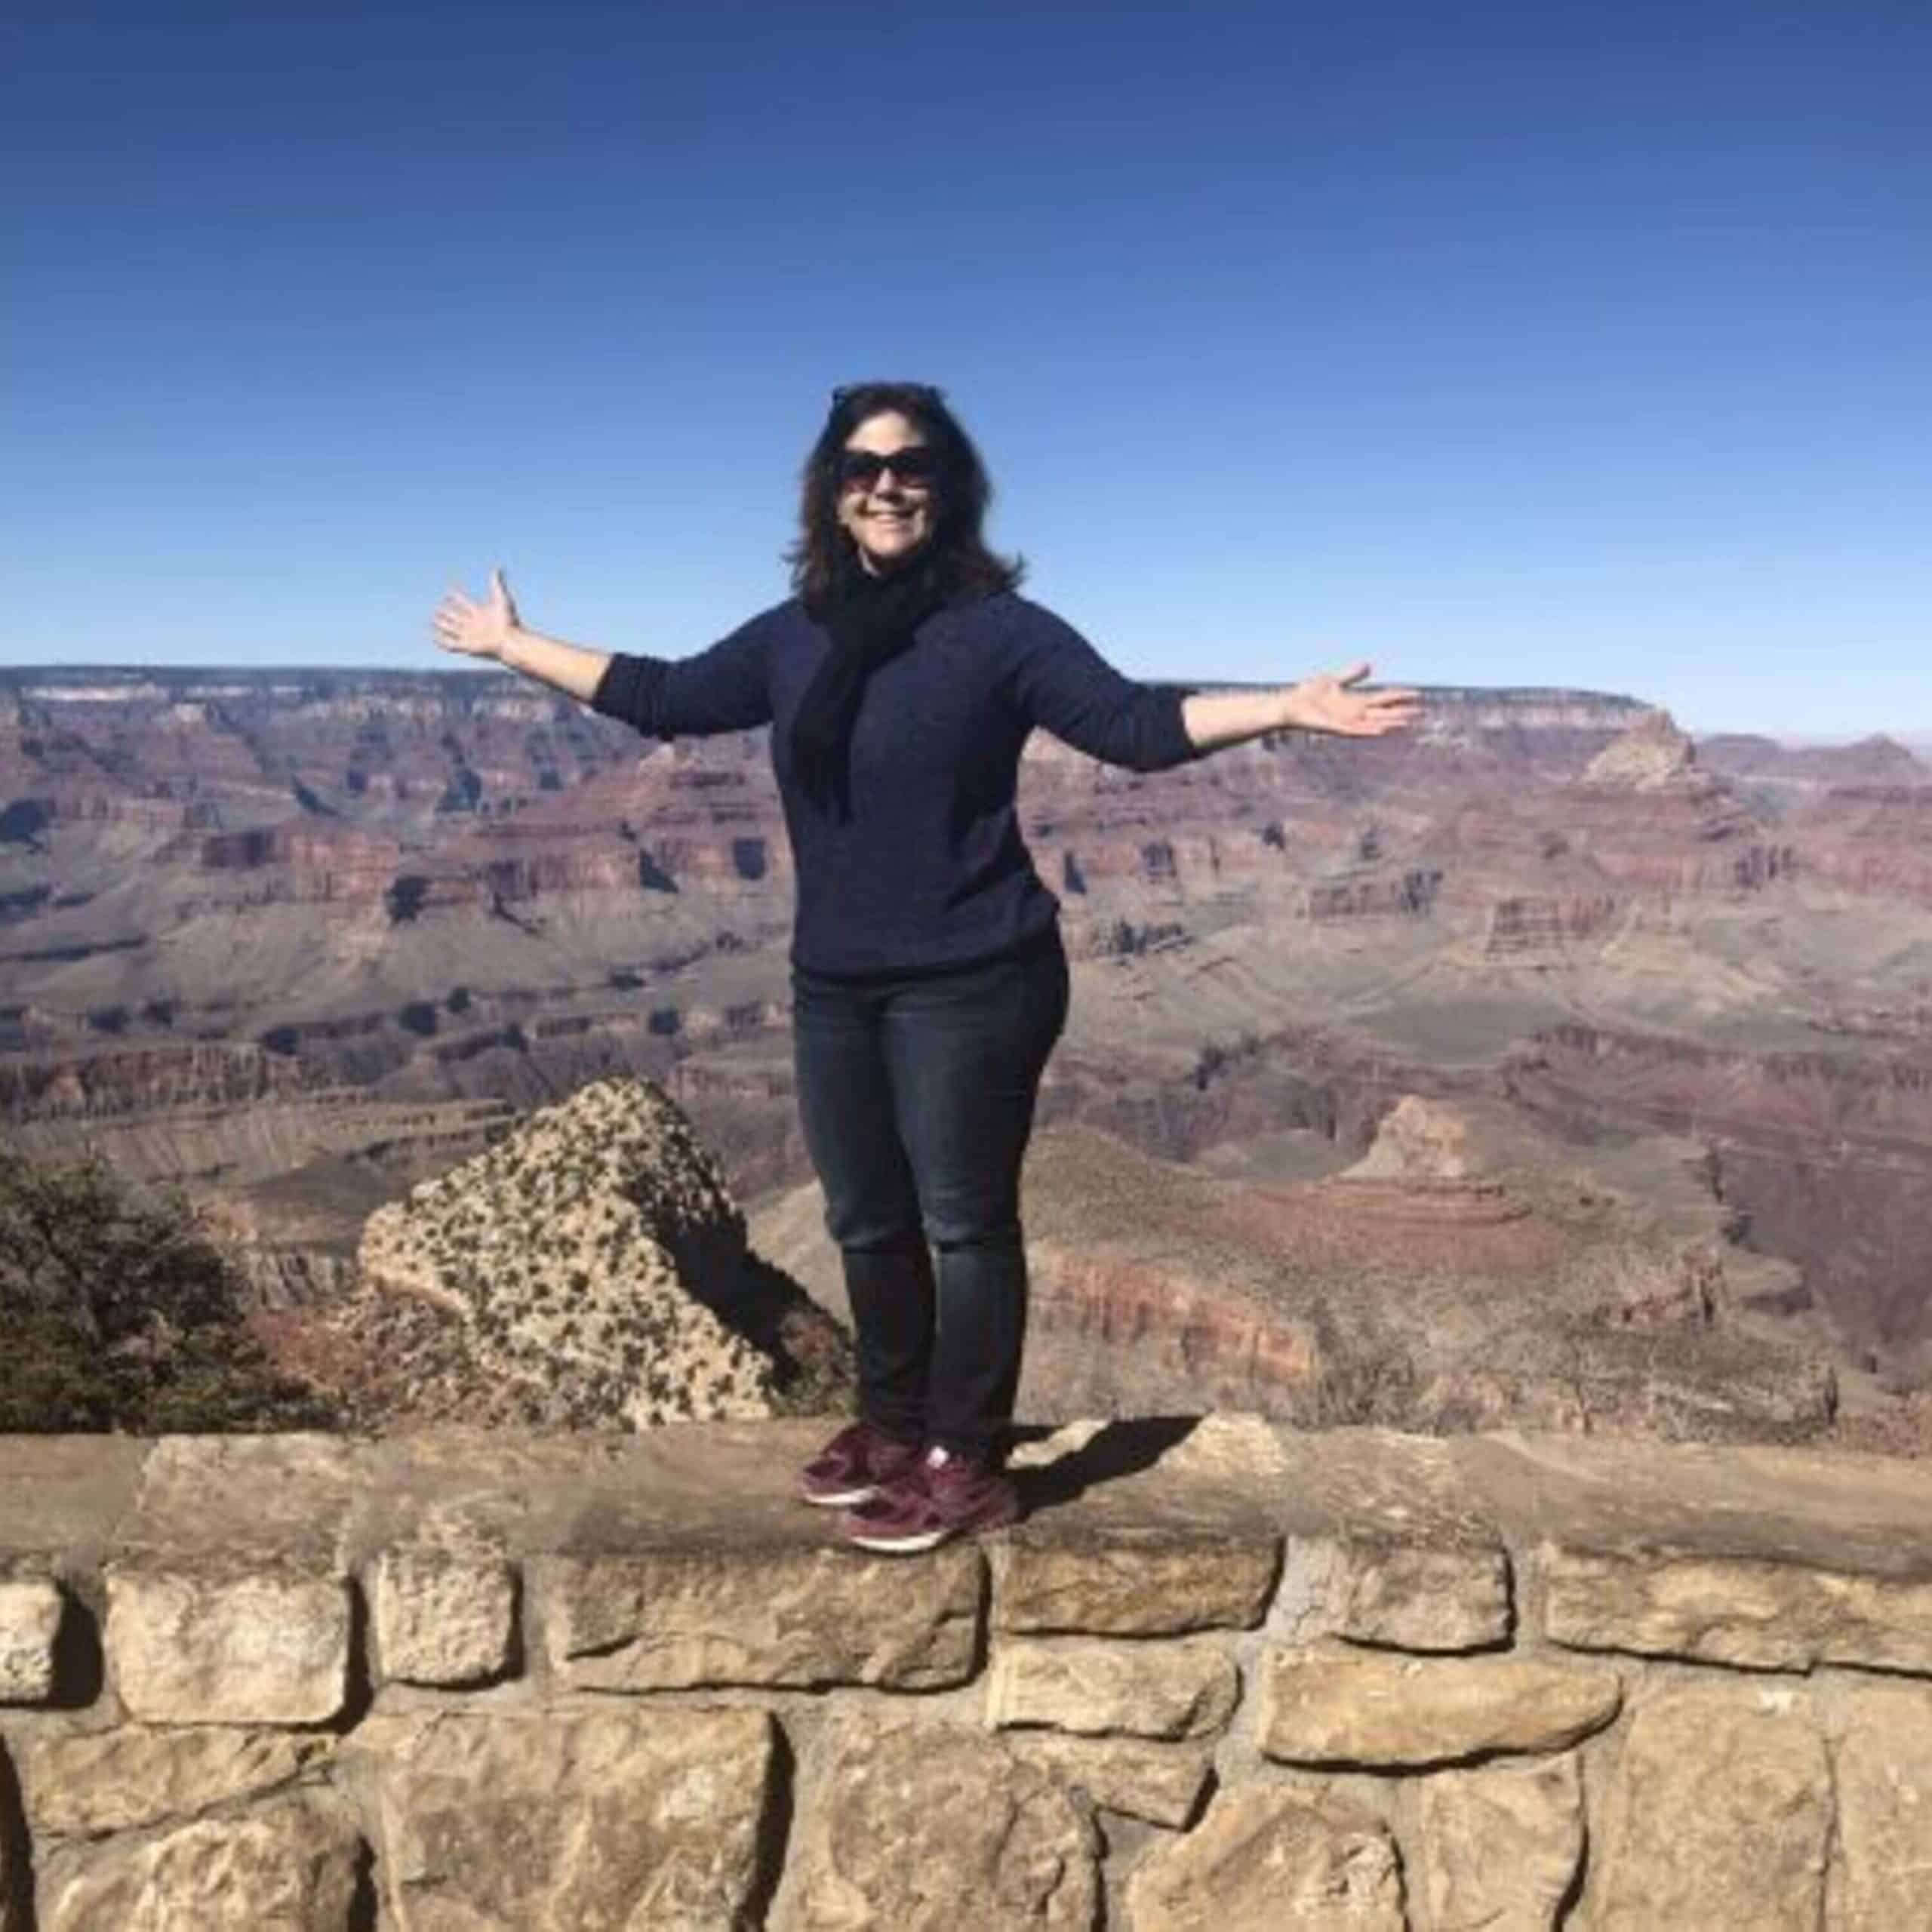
(964, 566)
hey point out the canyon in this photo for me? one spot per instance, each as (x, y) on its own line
(302, 941)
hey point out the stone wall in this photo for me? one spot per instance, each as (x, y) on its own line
(1224, 1675)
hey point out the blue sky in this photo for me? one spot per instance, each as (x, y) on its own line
(1529, 343)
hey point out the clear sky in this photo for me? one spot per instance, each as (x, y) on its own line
(1524, 342)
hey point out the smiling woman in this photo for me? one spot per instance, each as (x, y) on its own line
(929, 984)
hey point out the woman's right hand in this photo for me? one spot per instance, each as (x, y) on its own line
(477, 630)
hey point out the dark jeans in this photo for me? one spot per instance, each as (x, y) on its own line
(916, 1096)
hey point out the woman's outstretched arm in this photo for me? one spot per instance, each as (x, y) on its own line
(493, 629)
(1326, 702)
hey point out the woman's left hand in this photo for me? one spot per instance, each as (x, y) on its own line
(1325, 703)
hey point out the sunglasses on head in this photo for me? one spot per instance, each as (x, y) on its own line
(918, 463)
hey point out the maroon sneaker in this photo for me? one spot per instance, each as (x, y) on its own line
(942, 1495)
(851, 1467)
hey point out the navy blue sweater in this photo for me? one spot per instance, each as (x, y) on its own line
(931, 872)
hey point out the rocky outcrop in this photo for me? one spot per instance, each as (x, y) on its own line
(627, 1679)
(593, 1259)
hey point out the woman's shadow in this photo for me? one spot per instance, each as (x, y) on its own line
(1122, 1447)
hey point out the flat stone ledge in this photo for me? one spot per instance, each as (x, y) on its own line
(62, 1498)
(31, 1610)
(1821, 1509)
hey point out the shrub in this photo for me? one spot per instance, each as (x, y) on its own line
(121, 1313)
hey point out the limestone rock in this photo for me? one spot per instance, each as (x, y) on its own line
(932, 1828)
(85, 1784)
(556, 1822)
(1770, 1616)
(30, 1611)
(1333, 1705)
(246, 1650)
(290, 1867)
(1150, 1584)
(1271, 1859)
(1651, 755)
(1719, 1814)
(583, 1254)
(1160, 1782)
(803, 1615)
(1179, 1690)
(1498, 1848)
(1412, 1596)
(1885, 1798)
(443, 1617)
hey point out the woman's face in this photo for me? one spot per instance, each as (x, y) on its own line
(889, 516)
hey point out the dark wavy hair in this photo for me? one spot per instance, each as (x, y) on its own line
(963, 566)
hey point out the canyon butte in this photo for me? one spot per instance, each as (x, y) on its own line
(1539, 1066)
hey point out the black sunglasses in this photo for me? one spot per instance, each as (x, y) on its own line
(917, 463)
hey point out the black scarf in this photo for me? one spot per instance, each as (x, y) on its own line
(871, 619)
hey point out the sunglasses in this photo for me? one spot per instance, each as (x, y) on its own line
(917, 464)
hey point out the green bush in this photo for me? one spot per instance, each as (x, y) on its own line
(118, 1312)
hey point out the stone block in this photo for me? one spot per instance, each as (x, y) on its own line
(30, 1612)
(1271, 1859)
(1185, 1689)
(442, 1616)
(289, 1866)
(1160, 1782)
(1410, 1596)
(608, 1818)
(934, 1828)
(261, 1649)
(1764, 1615)
(1333, 1705)
(804, 1615)
(86, 1784)
(1497, 1849)
(1719, 1814)
(1129, 1583)
(1884, 1809)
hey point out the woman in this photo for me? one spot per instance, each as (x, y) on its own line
(929, 983)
